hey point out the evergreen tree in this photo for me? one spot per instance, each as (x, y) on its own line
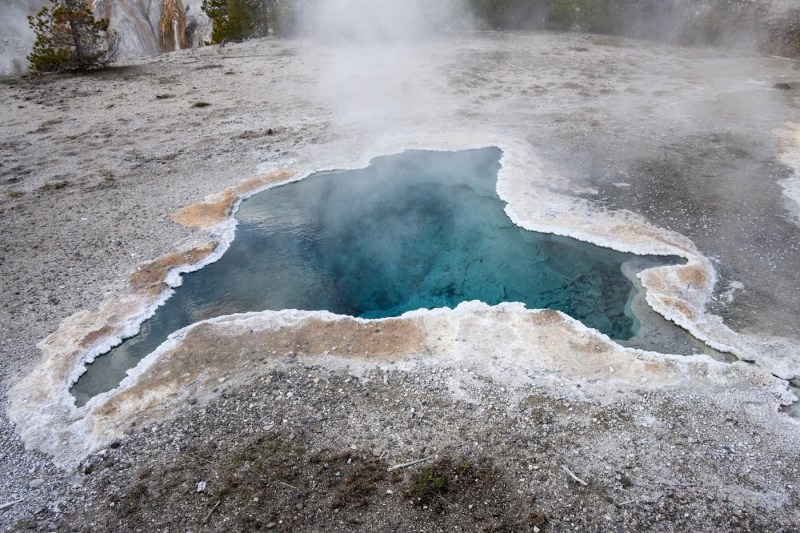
(69, 38)
(237, 20)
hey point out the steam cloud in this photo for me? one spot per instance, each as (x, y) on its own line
(16, 37)
(360, 21)
(378, 51)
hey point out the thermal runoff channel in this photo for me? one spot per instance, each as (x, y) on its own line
(418, 230)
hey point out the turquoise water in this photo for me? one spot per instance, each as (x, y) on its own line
(416, 230)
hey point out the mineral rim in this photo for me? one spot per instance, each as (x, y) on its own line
(195, 357)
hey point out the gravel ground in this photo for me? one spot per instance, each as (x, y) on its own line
(303, 448)
(92, 166)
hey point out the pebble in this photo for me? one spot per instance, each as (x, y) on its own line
(36, 483)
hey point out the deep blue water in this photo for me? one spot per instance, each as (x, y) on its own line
(416, 230)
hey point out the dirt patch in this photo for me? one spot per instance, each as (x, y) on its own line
(96, 335)
(546, 317)
(693, 276)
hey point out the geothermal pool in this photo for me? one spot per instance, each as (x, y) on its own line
(418, 230)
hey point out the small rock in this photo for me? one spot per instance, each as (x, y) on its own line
(201, 486)
(389, 491)
(271, 525)
(782, 86)
(36, 483)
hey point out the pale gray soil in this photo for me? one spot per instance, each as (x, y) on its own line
(91, 166)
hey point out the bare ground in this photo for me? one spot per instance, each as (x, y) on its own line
(92, 167)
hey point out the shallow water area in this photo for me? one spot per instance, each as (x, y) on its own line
(417, 230)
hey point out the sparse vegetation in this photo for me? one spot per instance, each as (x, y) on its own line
(427, 483)
(54, 185)
(689, 22)
(15, 194)
(70, 39)
(600, 16)
(236, 20)
(449, 483)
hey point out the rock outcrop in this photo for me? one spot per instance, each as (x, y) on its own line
(148, 27)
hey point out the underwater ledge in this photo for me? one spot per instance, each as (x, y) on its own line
(46, 417)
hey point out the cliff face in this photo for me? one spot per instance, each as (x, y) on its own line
(146, 27)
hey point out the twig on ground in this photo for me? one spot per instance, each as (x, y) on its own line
(410, 463)
(287, 484)
(9, 504)
(573, 476)
(211, 511)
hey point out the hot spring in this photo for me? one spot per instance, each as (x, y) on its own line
(418, 230)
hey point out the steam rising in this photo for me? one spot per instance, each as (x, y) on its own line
(16, 37)
(383, 21)
(771, 25)
(379, 50)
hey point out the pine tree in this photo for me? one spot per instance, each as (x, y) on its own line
(70, 39)
(236, 20)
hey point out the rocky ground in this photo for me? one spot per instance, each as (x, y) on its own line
(91, 167)
(303, 448)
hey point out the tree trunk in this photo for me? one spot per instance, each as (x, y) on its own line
(76, 39)
(76, 14)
